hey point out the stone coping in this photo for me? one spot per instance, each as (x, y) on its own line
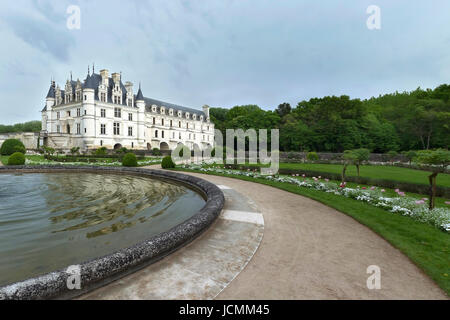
(100, 271)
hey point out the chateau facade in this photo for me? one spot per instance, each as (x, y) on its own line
(101, 111)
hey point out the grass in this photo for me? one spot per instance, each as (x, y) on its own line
(426, 246)
(373, 171)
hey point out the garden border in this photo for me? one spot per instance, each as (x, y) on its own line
(102, 270)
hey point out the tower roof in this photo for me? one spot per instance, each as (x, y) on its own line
(51, 92)
(140, 96)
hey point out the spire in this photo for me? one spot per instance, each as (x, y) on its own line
(70, 76)
(89, 70)
(51, 90)
(139, 95)
(93, 67)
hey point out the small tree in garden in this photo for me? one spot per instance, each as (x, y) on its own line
(391, 155)
(438, 161)
(74, 150)
(348, 157)
(101, 151)
(410, 155)
(312, 156)
(48, 150)
(360, 155)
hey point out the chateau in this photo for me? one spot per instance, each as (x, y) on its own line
(101, 111)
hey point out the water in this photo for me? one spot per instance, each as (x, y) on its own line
(49, 221)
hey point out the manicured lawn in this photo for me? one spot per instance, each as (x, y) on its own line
(426, 246)
(39, 158)
(373, 171)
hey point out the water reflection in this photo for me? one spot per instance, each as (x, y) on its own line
(49, 221)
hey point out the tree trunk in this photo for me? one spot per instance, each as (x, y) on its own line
(432, 179)
(343, 173)
(357, 169)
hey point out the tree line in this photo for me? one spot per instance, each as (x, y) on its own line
(416, 120)
(31, 126)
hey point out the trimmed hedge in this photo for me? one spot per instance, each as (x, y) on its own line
(129, 160)
(11, 146)
(167, 163)
(16, 159)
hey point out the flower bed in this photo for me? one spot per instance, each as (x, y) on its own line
(402, 204)
(97, 163)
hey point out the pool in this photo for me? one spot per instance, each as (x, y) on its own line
(50, 220)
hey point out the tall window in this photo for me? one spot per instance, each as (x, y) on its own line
(154, 120)
(162, 122)
(103, 129)
(68, 113)
(162, 134)
(103, 97)
(78, 128)
(116, 128)
(130, 131)
(170, 122)
(130, 117)
(78, 112)
(58, 115)
(156, 133)
(103, 113)
(179, 124)
(117, 113)
(130, 102)
(58, 129)
(179, 135)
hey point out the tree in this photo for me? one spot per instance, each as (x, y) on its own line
(283, 109)
(410, 155)
(391, 155)
(360, 155)
(349, 157)
(438, 161)
(74, 150)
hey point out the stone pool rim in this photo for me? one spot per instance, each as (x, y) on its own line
(105, 269)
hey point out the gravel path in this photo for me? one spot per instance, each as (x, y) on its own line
(311, 251)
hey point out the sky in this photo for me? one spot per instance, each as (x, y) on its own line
(223, 52)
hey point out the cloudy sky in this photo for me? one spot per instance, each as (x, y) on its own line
(223, 52)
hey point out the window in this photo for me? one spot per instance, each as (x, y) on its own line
(78, 112)
(103, 129)
(85, 112)
(162, 122)
(130, 102)
(132, 145)
(156, 133)
(78, 128)
(57, 115)
(103, 113)
(78, 96)
(154, 120)
(162, 134)
(179, 135)
(85, 97)
(58, 129)
(116, 128)
(130, 131)
(179, 124)
(170, 122)
(187, 125)
(103, 97)
(101, 143)
(130, 117)
(117, 113)
(85, 130)
(68, 113)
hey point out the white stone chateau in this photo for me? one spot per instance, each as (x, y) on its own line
(101, 111)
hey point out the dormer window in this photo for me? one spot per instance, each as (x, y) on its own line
(154, 108)
(163, 110)
(171, 112)
(103, 97)
(179, 114)
(201, 118)
(194, 117)
(187, 115)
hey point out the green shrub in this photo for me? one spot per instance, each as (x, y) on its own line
(9, 147)
(156, 152)
(101, 151)
(167, 163)
(312, 156)
(16, 159)
(129, 160)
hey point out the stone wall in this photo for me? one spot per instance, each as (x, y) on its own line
(29, 139)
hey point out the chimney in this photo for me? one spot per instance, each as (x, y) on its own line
(129, 87)
(206, 110)
(104, 74)
(116, 77)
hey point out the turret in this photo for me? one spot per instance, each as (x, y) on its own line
(206, 111)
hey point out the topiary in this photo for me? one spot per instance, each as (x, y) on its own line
(312, 156)
(9, 147)
(16, 159)
(167, 163)
(129, 160)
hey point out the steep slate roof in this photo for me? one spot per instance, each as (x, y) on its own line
(93, 81)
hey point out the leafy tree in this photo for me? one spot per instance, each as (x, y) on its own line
(349, 157)
(391, 155)
(438, 161)
(360, 155)
(283, 109)
(410, 155)
(74, 150)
